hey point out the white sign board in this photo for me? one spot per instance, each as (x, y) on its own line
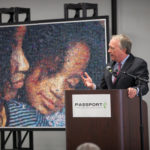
(91, 105)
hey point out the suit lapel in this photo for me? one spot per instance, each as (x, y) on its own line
(126, 66)
(128, 63)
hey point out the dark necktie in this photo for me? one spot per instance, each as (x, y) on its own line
(119, 68)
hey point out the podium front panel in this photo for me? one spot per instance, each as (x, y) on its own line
(121, 131)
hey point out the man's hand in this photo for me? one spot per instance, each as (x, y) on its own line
(132, 92)
(87, 80)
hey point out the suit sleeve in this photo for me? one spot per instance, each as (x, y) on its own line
(103, 84)
(142, 72)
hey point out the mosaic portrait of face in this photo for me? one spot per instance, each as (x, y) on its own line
(15, 73)
(19, 63)
(46, 92)
(18, 66)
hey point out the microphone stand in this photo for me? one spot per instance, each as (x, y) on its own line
(140, 105)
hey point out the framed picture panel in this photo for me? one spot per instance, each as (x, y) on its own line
(42, 59)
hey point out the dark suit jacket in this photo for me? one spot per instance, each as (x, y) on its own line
(134, 66)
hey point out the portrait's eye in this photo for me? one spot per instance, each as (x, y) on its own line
(42, 74)
(48, 67)
(50, 72)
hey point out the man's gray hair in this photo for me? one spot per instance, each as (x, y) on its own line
(125, 42)
(88, 146)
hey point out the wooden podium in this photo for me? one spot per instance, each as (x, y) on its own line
(121, 131)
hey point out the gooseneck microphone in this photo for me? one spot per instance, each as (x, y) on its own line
(114, 73)
(135, 77)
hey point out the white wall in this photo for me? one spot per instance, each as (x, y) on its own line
(133, 20)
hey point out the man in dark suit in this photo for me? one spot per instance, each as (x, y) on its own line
(120, 71)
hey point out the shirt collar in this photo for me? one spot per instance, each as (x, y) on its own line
(123, 61)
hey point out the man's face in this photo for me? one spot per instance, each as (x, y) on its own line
(47, 94)
(19, 63)
(115, 51)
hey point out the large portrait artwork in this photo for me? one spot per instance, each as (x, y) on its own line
(39, 61)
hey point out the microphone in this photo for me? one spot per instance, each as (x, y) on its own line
(114, 73)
